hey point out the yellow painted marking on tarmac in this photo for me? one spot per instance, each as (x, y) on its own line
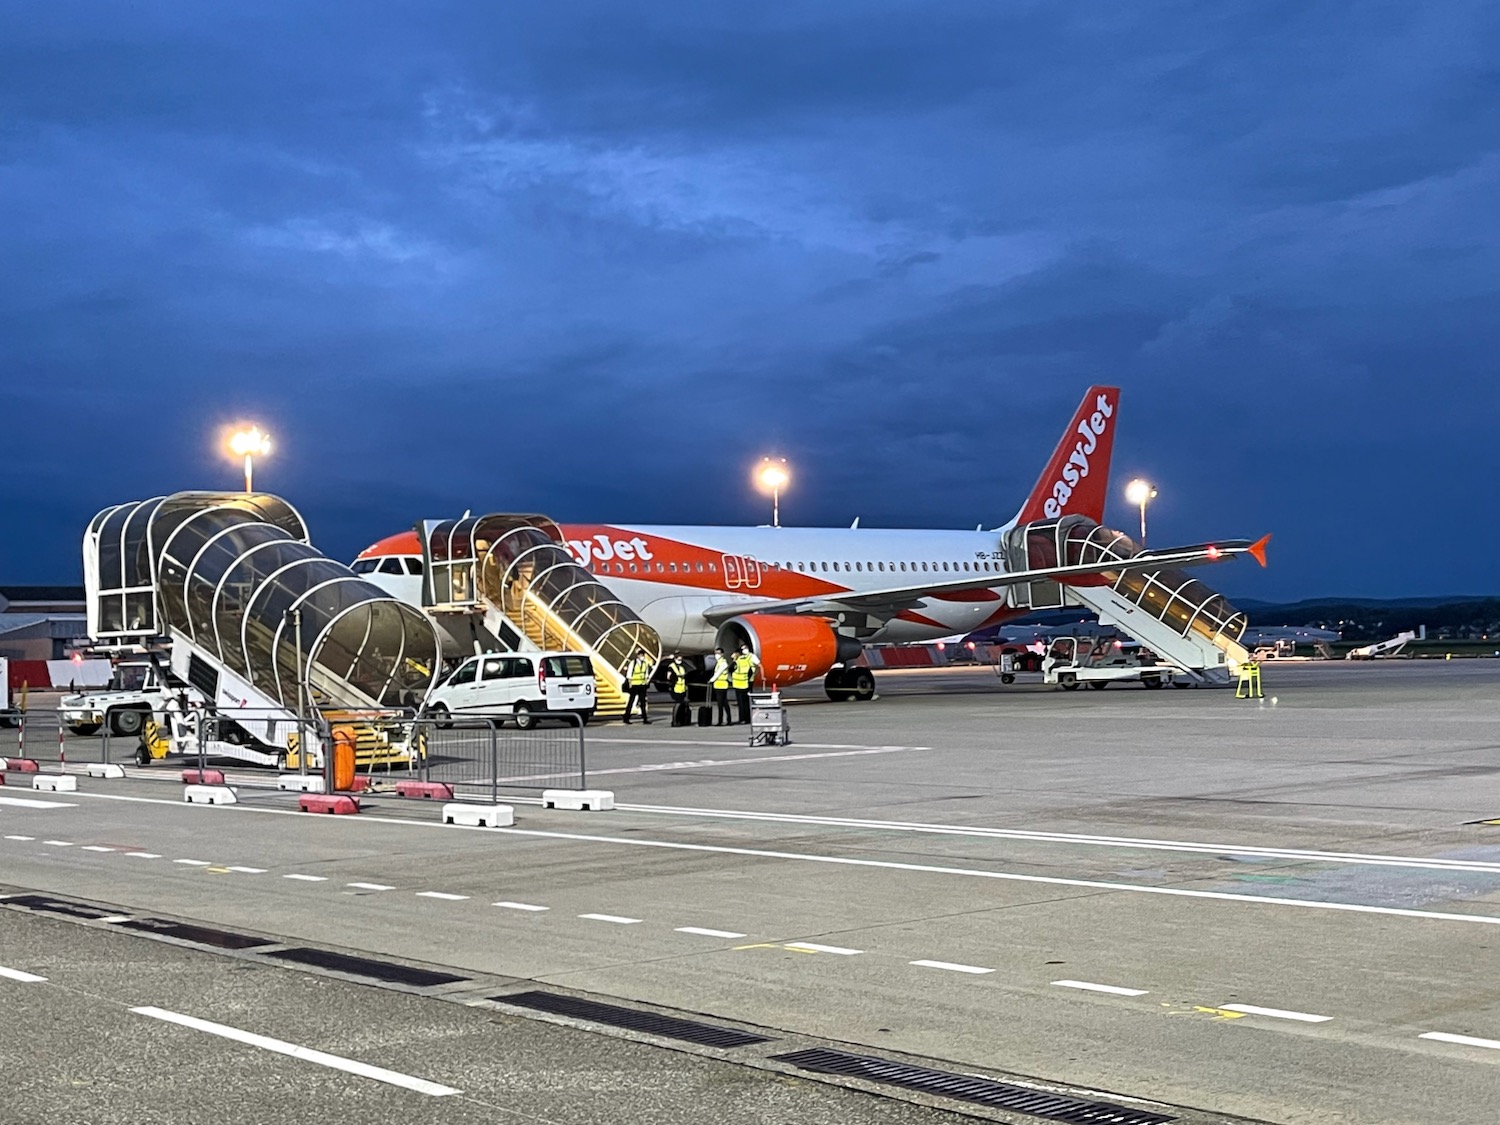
(772, 945)
(1199, 1010)
(217, 870)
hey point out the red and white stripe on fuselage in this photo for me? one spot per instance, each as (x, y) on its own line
(671, 575)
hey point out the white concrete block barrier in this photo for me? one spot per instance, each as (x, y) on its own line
(104, 769)
(55, 782)
(479, 816)
(579, 800)
(300, 783)
(209, 795)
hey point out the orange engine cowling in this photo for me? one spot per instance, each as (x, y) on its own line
(791, 649)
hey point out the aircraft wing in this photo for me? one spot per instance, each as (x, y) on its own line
(901, 597)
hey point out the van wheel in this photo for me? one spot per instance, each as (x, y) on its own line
(439, 717)
(126, 723)
(525, 720)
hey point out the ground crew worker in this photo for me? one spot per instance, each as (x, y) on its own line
(637, 682)
(677, 684)
(741, 679)
(723, 670)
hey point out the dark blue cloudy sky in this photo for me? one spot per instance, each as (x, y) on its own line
(592, 259)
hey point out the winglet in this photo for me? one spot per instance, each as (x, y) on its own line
(1258, 549)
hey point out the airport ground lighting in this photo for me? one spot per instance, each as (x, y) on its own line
(249, 442)
(1140, 493)
(773, 475)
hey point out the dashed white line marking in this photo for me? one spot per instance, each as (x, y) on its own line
(142, 855)
(194, 862)
(20, 837)
(308, 878)
(18, 975)
(951, 967)
(611, 918)
(814, 947)
(96, 848)
(1461, 1040)
(116, 918)
(440, 894)
(708, 933)
(520, 906)
(248, 870)
(370, 886)
(1275, 1013)
(59, 843)
(1090, 986)
(28, 803)
(306, 1054)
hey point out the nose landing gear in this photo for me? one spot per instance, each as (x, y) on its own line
(843, 684)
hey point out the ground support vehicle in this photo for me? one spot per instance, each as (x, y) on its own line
(1099, 662)
(525, 685)
(9, 716)
(136, 691)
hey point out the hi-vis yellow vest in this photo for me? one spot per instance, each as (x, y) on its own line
(679, 678)
(744, 670)
(640, 672)
(721, 673)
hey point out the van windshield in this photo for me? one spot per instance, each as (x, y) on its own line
(569, 667)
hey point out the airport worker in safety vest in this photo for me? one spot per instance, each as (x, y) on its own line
(677, 684)
(723, 670)
(637, 682)
(741, 679)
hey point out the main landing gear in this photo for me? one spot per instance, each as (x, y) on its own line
(850, 683)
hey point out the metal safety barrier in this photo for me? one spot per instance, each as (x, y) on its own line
(477, 755)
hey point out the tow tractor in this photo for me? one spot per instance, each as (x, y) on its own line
(9, 716)
(1099, 662)
(138, 689)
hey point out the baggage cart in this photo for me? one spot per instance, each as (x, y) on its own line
(769, 725)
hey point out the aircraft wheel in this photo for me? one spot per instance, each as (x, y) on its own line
(862, 682)
(836, 685)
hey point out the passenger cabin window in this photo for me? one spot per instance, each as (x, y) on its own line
(493, 669)
(519, 666)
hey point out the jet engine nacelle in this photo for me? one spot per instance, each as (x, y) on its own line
(791, 649)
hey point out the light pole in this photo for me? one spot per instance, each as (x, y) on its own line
(772, 475)
(1140, 493)
(249, 443)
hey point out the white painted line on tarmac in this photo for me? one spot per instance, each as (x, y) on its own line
(308, 878)
(306, 1054)
(708, 933)
(951, 967)
(1274, 1013)
(611, 918)
(1461, 1040)
(116, 918)
(1075, 838)
(18, 975)
(370, 886)
(20, 837)
(59, 843)
(143, 855)
(889, 865)
(520, 906)
(193, 862)
(1090, 986)
(440, 894)
(814, 947)
(29, 803)
(248, 870)
(711, 763)
(96, 848)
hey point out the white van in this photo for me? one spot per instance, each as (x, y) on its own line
(520, 684)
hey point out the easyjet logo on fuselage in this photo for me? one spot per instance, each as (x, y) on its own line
(1091, 430)
(602, 548)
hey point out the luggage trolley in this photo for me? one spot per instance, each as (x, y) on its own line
(768, 722)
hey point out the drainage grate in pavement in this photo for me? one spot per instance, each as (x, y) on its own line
(388, 971)
(200, 935)
(982, 1091)
(60, 906)
(632, 1019)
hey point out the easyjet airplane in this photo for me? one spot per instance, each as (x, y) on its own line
(808, 599)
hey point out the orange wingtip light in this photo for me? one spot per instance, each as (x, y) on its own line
(1258, 549)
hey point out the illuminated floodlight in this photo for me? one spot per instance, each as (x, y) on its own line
(1140, 493)
(249, 442)
(772, 475)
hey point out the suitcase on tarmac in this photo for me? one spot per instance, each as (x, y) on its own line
(706, 715)
(681, 716)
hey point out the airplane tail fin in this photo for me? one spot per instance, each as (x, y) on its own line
(1076, 479)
